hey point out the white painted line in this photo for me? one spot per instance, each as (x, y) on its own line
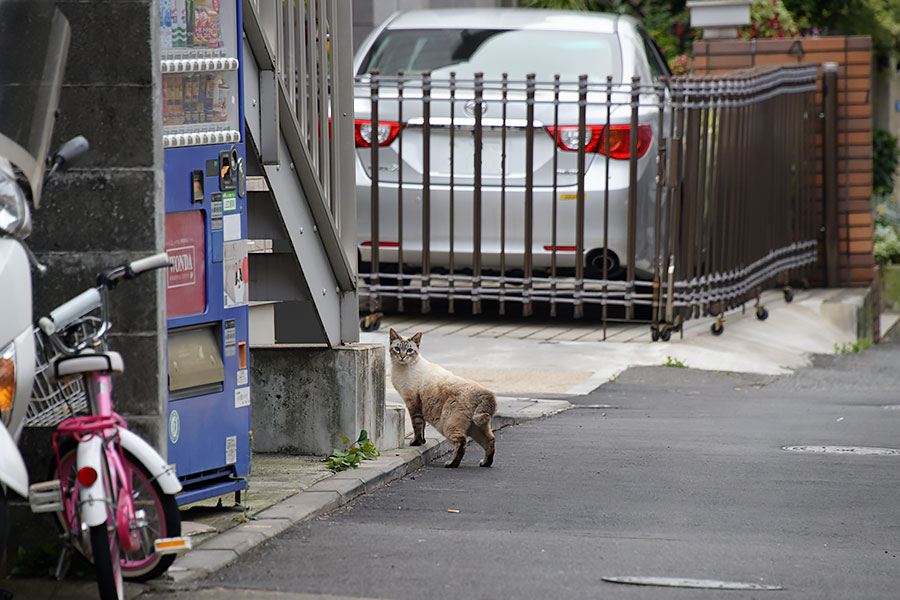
(707, 584)
(854, 450)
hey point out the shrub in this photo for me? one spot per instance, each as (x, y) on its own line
(885, 157)
(769, 19)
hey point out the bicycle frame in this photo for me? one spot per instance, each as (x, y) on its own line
(98, 436)
(104, 487)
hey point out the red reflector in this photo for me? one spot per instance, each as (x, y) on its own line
(561, 248)
(87, 476)
(383, 244)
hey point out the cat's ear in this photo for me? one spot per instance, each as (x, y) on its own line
(417, 338)
(394, 335)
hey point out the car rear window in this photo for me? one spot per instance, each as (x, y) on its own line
(494, 52)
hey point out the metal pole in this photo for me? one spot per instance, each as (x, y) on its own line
(579, 199)
(374, 298)
(529, 193)
(632, 195)
(400, 193)
(476, 200)
(450, 304)
(830, 174)
(426, 191)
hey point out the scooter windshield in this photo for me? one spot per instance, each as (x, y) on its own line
(34, 41)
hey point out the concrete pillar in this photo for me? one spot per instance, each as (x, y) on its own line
(110, 208)
(105, 211)
(303, 398)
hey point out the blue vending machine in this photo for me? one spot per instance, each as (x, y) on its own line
(206, 230)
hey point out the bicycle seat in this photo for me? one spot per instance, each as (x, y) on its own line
(103, 362)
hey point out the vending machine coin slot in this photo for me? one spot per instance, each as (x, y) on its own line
(228, 168)
(197, 194)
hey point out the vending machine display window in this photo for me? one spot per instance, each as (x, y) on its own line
(200, 73)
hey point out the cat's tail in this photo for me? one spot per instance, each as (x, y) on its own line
(485, 409)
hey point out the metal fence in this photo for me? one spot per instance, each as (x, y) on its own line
(655, 201)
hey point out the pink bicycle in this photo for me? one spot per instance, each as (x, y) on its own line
(113, 493)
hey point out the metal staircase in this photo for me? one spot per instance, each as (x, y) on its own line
(298, 108)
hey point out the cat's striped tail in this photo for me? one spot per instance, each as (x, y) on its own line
(485, 409)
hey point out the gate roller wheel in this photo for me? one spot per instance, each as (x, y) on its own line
(654, 334)
(371, 322)
(666, 333)
(761, 313)
(788, 295)
(717, 328)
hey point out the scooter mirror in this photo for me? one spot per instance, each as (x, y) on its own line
(68, 153)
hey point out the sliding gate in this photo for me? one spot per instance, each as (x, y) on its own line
(654, 202)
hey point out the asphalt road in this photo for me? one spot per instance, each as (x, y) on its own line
(683, 475)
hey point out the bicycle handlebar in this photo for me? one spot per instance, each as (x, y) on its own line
(66, 313)
(157, 261)
(91, 299)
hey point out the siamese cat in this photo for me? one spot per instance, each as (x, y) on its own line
(455, 406)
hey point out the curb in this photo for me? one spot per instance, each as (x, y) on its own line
(324, 496)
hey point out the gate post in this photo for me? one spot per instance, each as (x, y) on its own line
(830, 173)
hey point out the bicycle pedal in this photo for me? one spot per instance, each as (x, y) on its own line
(45, 497)
(172, 545)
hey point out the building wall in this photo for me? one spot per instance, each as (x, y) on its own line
(854, 58)
(109, 208)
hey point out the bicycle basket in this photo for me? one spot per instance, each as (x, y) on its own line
(55, 400)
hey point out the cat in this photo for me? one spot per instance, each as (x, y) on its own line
(451, 404)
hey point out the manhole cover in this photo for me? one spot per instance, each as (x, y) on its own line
(854, 450)
(680, 582)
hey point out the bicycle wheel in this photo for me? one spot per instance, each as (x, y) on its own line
(163, 520)
(162, 516)
(4, 523)
(105, 546)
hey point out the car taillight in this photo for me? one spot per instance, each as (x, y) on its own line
(566, 137)
(383, 244)
(386, 132)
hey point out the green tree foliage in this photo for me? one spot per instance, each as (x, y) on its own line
(879, 19)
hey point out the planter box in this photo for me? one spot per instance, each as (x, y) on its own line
(719, 13)
(719, 19)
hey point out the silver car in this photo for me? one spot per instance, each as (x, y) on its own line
(504, 45)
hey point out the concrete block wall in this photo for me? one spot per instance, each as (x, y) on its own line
(304, 397)
(109, 209)
(105, 211)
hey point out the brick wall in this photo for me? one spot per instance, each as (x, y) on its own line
(854, 58)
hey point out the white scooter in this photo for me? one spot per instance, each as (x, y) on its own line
(33, 65)
(17, 351)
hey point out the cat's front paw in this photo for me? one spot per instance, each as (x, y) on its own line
(417, 442)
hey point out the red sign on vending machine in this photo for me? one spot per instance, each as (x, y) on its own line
(186, 279)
